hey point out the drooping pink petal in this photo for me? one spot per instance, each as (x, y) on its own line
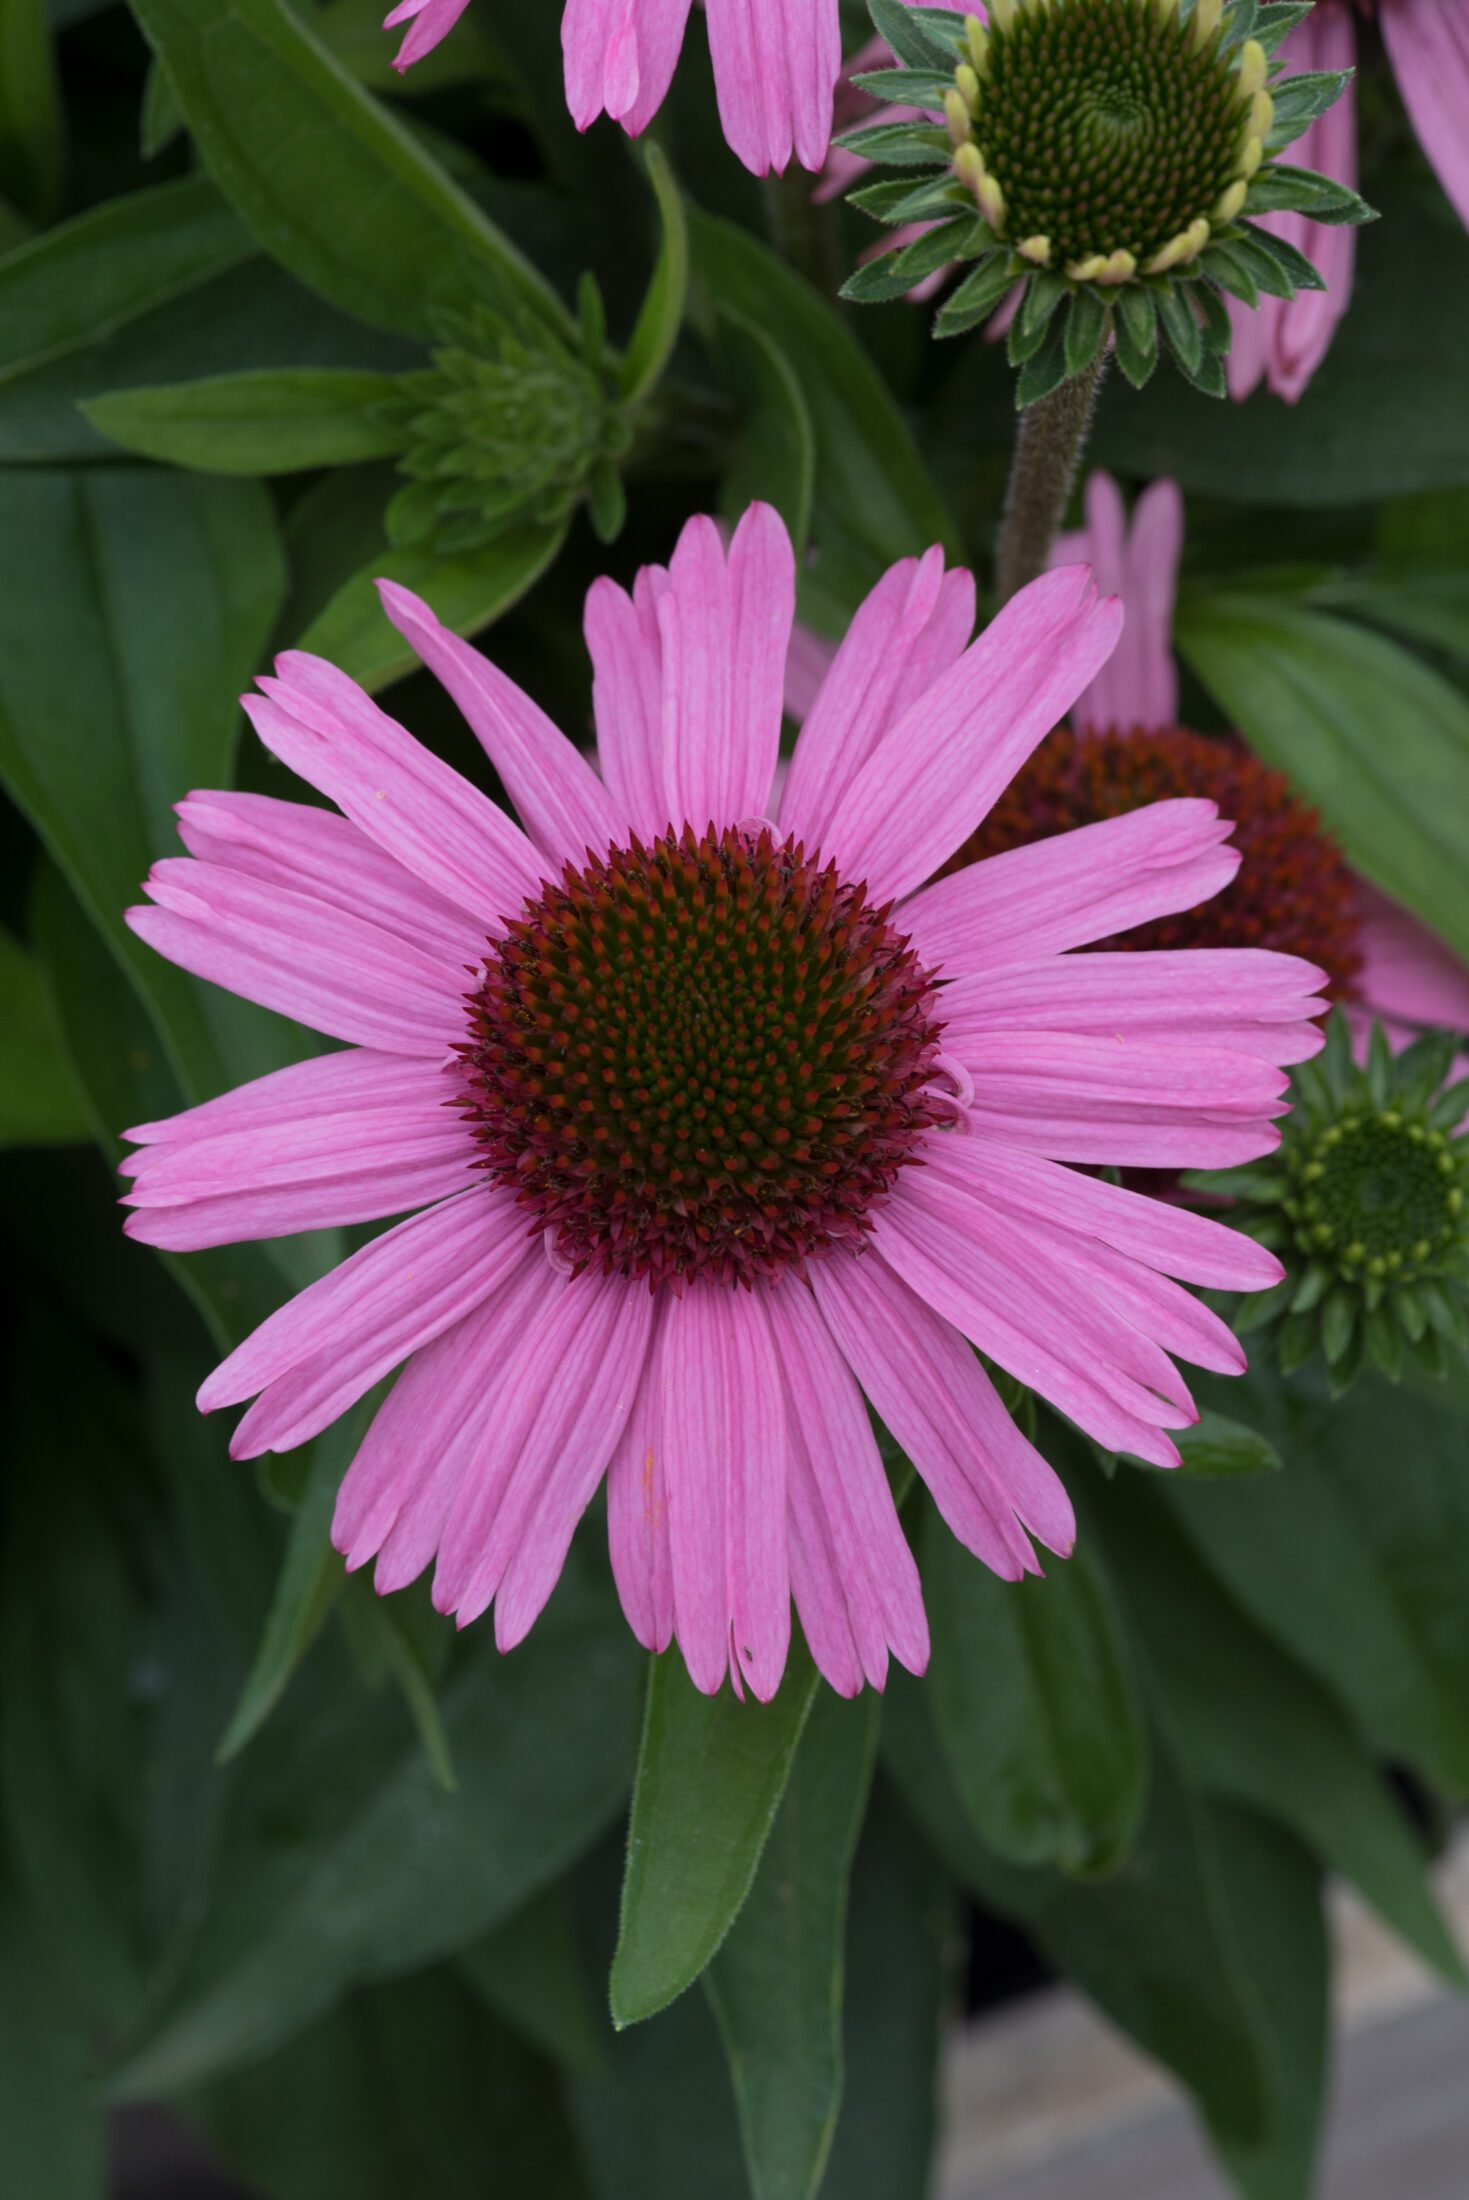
(988, 1481)
(843, 1518)
(1291, 337)
(1125, 1103)
(1063, 1340)
(329, 971)
(317, 853)
(1167, 1237)
(724, 625)
(1073, 888)
(932, 780)
(776, 65)
(397, 1493)
(1138, 686)
(720, 1425)
(1428, 41)
(627, 698)
(566, 1394)
(1245, 998)
(419, 808)
(620, 56)
(562, 803)
(328, 1345)
(1407, 972)
(432, 22)
(637, 1515)
(380, 1136)
(910, 630)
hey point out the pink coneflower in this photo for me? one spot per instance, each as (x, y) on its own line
(1283, 341)
(1295, 890)
(717, 1119)
(776, 64)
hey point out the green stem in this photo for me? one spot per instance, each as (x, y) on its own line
(806, 234)
(1048, 447)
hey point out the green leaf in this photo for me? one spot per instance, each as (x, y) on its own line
(1354, 1558)
(311, 1580)
(133, 608)
(261, 422)
(1311, 695)
(1219, 1448)
(776, 1984)
(711, 1773)
(902, 1934)
(377, 1870)
(38, 1100)
(409, 2088)
(662, 312)
(1249, 1726)
(1151, 1945)
(467, 592)
(874, 501)
(51, 2137)
(531, 1973)
(327, 180)
(1424, 598)
(1034, 1701)
(774, 456)
(32, 128)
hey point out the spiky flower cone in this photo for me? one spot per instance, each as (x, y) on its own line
(1366, 1201)
(1107, 154)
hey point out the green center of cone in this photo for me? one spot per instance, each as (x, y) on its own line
(1378, 1196)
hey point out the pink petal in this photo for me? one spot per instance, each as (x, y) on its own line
(720, 1424)
(1155, 1231)
(1408, 973)
(724, 628)
(911, 629)
(396, 1495)
(776, 65)
(1063, 1341)
(855, 1554)
(1124, 1103)
(328, 1345)
(562, 803)
(1428, 41)
(1239, 997)
(437, 826)
(620, 57)
(1139, 685)
(432, 22)
(627, 698)
(934, 777)
(930, 1391)
(318, 1152)
(329, 971)
(315, 852)
(1073, 888)
(637, 1516)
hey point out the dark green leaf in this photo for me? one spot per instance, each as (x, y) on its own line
(50, 2127)
(662, 312)
(711, 1773)
(324, 177)
(1034, 1701)
(1219, 1448)
(774, 457)
(530, 1971)
(38, 1102)
(32, 129)
(1311, 695)
(260, 422)
(776, 1984)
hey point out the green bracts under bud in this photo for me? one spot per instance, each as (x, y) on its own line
(507, 424)
(1367, 1204)
(1122, 145)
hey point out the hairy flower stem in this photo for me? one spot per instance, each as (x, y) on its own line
(1048, 446)
(806, 234)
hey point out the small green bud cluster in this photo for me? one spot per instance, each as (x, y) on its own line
(1105, 153)
(1367, 1204)
(507, 424)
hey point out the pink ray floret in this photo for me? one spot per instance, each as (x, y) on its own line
(702, 1120)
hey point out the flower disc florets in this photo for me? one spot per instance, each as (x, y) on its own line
(1103, 152)
(1367, 1203)
(1294, 891)
(707, 1057)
